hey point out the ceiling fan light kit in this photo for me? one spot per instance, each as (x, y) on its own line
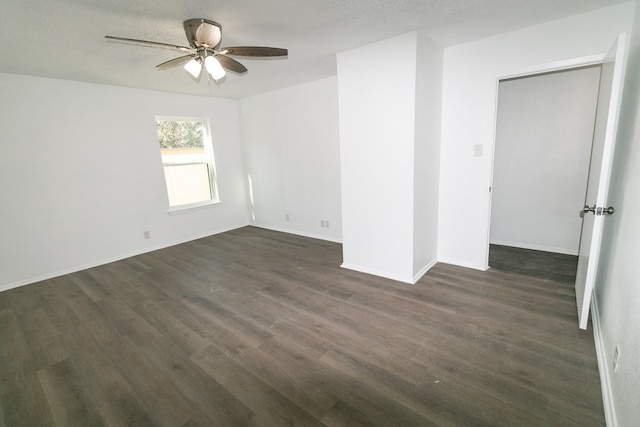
(194, 68)
(214, 68)
(204, 51)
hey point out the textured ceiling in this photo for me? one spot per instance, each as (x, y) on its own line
(64, 39)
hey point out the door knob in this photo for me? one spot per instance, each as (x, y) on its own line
(588, 209)
(610, 210)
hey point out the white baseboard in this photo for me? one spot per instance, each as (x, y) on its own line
(460, 263)
(397, 277)
(298, 233)
(424, 270)
(77, 268)
(535, 247)
(379, 273)
(603, 366)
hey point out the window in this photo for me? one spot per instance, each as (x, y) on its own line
(187, 157)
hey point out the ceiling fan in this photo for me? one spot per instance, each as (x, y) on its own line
(204, 51)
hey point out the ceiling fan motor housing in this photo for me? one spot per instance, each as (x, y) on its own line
(203, 33)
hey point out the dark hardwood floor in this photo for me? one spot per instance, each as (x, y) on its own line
(545, 265)
(254, 327)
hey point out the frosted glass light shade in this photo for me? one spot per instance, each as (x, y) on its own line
(214, 68)
(194, 68)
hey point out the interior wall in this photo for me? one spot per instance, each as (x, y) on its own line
(377, 113)
(471, 72)
(389, 149)
(617, 289)
(292, 156)
(426, 162)
(81, 175)
(543, 141)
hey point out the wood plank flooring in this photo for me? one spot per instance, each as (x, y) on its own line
(259, 328)
(545, 265)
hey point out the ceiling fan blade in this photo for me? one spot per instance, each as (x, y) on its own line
(150, 43)
(254, 51)
(231, 64)
(175, 62)
(203, 32)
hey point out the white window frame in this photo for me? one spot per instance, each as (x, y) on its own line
(209, 160)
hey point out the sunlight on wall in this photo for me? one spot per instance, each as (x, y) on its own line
(253, 213)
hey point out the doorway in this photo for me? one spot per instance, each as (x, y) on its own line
(544, 132)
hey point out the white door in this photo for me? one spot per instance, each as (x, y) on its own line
(599, 172)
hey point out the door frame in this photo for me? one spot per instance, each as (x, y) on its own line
(563, 65)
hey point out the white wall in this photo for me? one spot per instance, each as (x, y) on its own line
(81, 175)
(471, 71)
(544, 134)
(389, 139)
(617, 291)
(426, 162)
(292, 155)
(377, 113)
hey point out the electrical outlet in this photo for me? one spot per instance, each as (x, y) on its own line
(326, 223)
(616, 359)
(287, 217)
(147, 234)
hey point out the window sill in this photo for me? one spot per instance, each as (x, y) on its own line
(179, 210)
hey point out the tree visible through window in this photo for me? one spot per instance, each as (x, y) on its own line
(187, 157)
